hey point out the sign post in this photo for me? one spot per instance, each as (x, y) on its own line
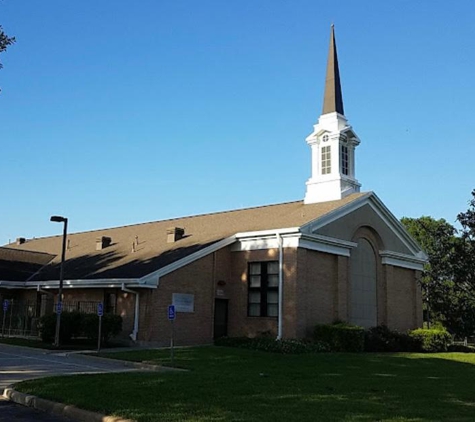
(100, 313)
(5, 309)
(171, 318)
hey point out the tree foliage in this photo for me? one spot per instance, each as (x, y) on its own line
(448, 280)
(5, 41)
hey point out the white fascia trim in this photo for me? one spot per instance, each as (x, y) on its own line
(291, 238)
(153, 279)
(399, 230)
(263, 233)
(266, 239)
(326, 244)
(334, 215)
(397, 259)
(380, 209)
(72, 284)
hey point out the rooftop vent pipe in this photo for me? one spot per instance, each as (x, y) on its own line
(174, 234)
(20, 240)
(103, 242)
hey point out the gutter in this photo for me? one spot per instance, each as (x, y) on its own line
(281, 287)
(135, 331)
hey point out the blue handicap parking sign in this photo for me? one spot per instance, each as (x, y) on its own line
(59, 307)
(5, 305)
(171, 312)
(100, 309)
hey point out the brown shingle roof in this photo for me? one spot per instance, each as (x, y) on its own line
(20, 265)
(153, 252)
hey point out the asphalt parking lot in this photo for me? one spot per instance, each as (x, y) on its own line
(19, 364)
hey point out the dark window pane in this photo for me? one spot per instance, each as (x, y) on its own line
(272, 310)
(254, 310)
(255, 281)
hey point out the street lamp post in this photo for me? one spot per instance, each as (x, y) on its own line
(59, 308)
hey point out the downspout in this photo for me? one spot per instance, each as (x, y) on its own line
(281, 287)
(135, 331)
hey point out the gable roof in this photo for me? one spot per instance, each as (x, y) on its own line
(152, 251)
(20, 265)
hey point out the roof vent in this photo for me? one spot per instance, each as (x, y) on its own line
(103, 242)
(20, 240)
(174, 234)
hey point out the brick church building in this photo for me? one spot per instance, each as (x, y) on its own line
(338, 254)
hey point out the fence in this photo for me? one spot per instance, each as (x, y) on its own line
(21, 318)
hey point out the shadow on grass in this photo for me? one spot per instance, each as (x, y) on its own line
(242, 385)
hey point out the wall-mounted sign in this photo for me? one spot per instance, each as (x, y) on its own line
(183, 302)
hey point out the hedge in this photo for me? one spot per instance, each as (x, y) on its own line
(382, 339)
(341, 337)
(268, 344)
(76, 324)
(431, 340)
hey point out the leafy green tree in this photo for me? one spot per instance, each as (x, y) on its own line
(437, 238)
(5, 41)
(448, 280)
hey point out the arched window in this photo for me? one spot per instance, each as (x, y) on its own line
(363, 304)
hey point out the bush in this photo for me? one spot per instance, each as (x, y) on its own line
(111, 326)
(70, 326)
(268, 344)
(76, 324)
(431, 340)
(341, 337)
(460, 348)
(382, 339)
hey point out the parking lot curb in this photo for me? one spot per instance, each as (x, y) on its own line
(61, 409)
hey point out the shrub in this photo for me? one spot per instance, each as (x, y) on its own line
(70, 326)
(111, 326)
(382, 339)
(341, 337)
(431, 340)
(268, 344)
(461, 348)
(76, 324)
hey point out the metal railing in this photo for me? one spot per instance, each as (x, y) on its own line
(21, 318)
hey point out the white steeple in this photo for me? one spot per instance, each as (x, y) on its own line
(332, 142)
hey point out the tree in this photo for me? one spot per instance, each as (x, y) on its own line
(5, 41)
(437, 238)
(448, 280)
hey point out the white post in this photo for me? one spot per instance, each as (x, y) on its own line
(281, 287)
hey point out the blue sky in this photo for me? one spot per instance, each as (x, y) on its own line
(120, 112)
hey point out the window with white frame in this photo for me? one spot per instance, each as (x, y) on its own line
(326, 160)
(344, 160)
(263, 293)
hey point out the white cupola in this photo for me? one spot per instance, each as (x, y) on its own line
(332, 142)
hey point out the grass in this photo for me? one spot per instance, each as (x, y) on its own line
(227, 384)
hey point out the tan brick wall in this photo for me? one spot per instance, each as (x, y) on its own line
(190, 328)
(403, 298)
(319, 272)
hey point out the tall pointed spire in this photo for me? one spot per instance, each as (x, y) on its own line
(332, 142)
(333, 100)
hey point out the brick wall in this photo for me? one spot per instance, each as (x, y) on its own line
(320, 274)
(403, 298)
(190, 328)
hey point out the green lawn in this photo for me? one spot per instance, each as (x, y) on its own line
(227, 384)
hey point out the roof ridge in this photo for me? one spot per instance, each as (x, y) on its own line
(167, 219)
